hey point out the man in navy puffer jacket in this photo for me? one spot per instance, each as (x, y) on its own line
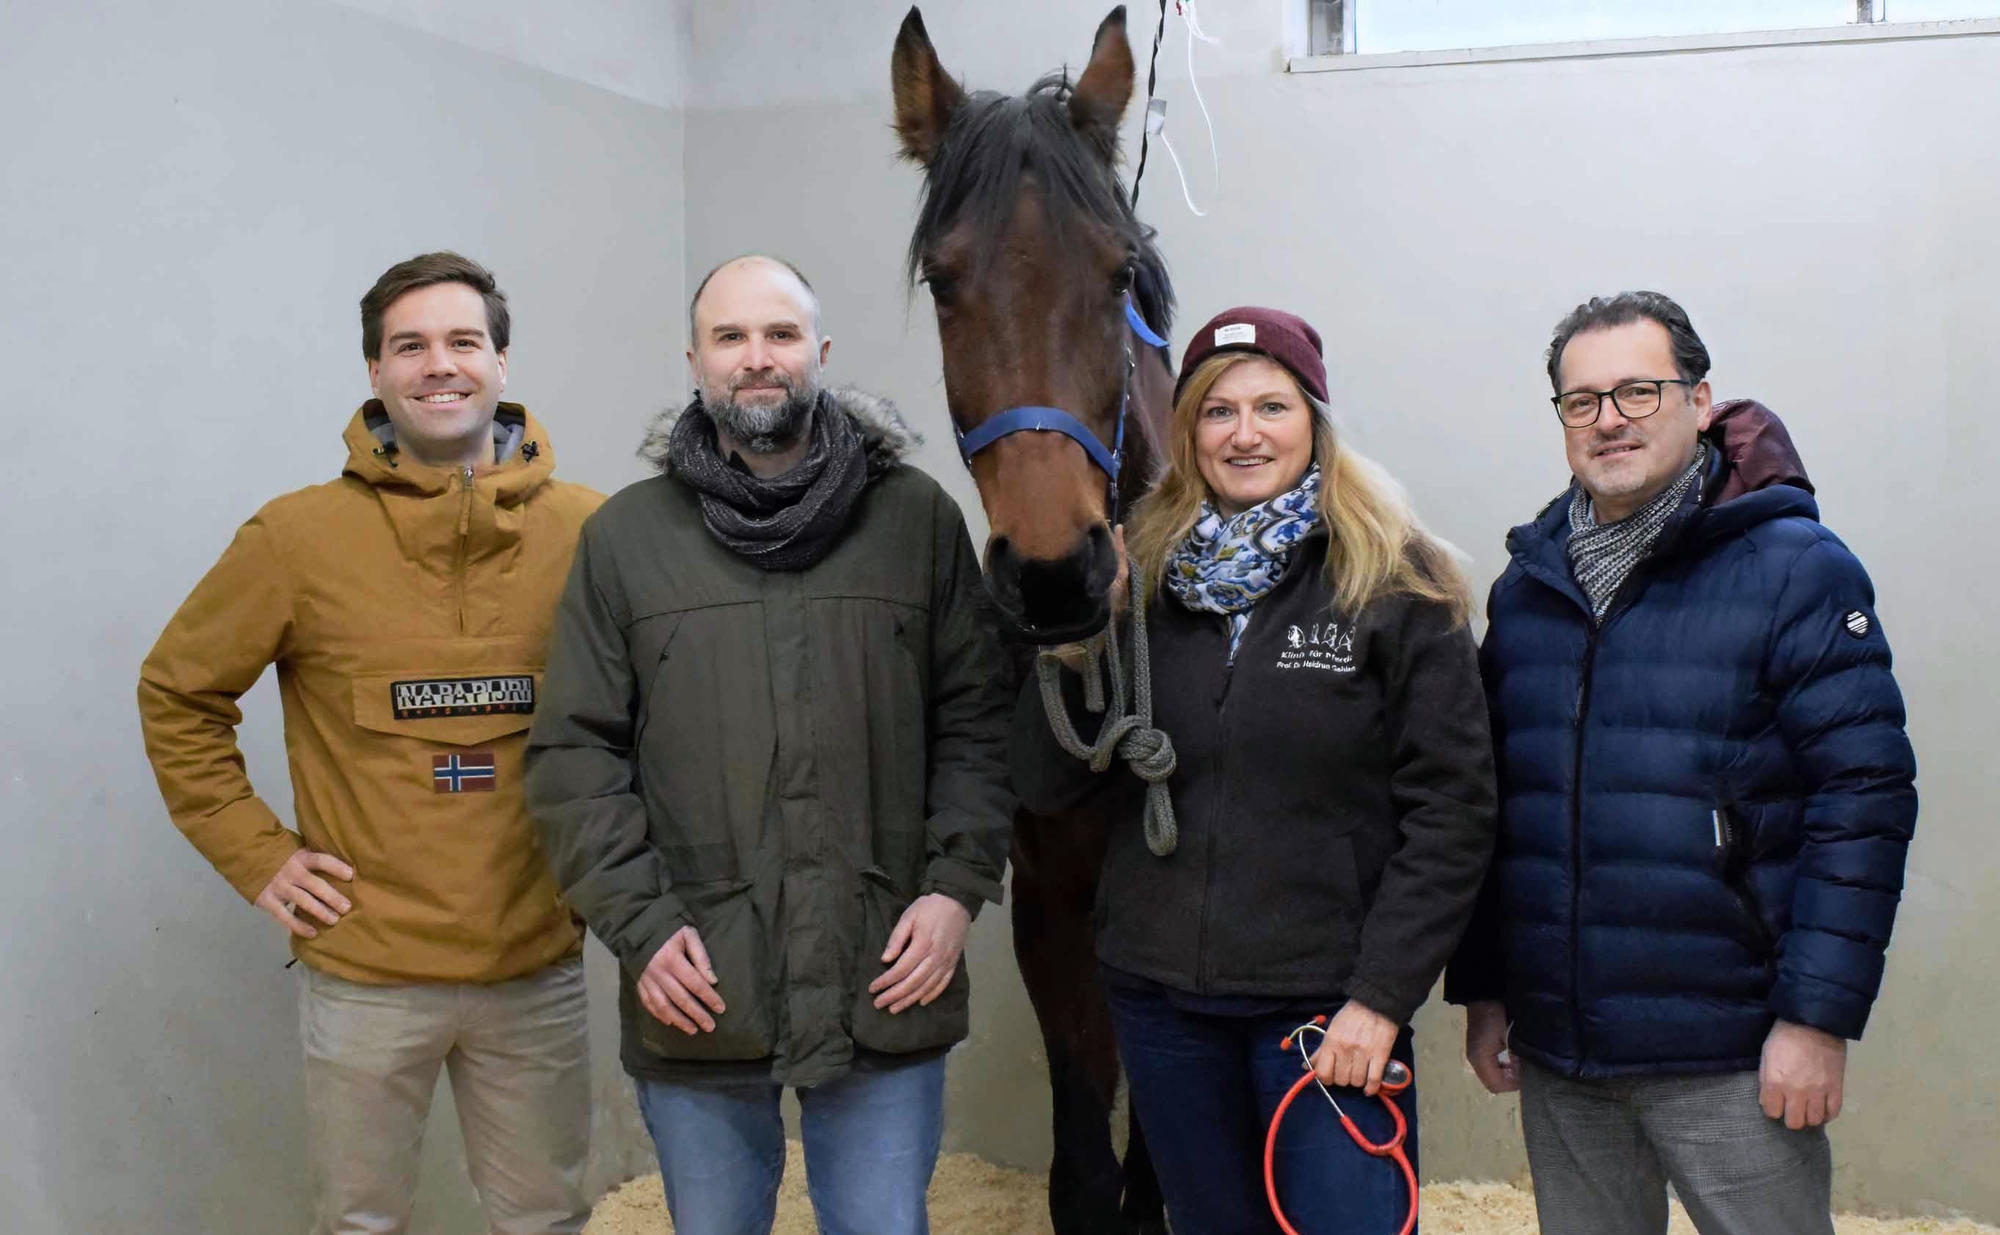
(1706, 798)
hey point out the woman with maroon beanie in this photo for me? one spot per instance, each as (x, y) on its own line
(1334, 792)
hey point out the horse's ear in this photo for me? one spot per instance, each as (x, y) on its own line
(1098, 101)
(926, 95)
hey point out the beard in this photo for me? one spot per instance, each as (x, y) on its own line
(759, 427)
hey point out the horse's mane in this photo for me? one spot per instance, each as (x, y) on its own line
(993, 142)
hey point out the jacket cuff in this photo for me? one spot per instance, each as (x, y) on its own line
(1380, 999)
(648, 932)
(1825, 1006)
(246, 844)
(960, 882)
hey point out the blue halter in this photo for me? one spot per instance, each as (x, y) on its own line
(1055, 420)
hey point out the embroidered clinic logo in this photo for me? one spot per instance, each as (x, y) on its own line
(1326, 646)
(433, 697)
(472, 772)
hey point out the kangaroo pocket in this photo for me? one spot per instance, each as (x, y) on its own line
(918, 1027)
(414, 777)
(738, 948)
(442, 715)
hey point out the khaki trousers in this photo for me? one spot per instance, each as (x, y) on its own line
(519, 1060)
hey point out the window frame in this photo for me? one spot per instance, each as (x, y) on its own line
(1328, 20)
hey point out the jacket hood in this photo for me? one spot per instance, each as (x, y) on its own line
(885, 435)
(523, 459)
(1757, 449)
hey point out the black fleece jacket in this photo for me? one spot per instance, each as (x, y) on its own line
(1334, 794)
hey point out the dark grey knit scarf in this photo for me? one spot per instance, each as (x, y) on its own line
(1602, 555)
(788, 522)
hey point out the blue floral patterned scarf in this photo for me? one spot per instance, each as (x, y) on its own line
(1227, 565)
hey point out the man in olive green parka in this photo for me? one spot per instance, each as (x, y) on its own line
(769, 769)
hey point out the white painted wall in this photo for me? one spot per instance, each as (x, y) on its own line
(1826, 212)
(632, 47)
(193, 196)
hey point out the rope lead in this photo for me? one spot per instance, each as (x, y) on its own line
(1130, 736)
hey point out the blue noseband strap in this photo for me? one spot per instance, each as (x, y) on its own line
(1056, 420)
(1044, 419)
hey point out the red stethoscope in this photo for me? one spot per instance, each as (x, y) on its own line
(1396, 1077)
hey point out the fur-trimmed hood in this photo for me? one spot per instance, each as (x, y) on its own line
(887, 437)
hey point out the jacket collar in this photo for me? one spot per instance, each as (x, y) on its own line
(1541, 545)
(523, 458)
(441, 520)
(885, 436)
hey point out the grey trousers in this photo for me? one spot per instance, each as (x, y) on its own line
(519, 1058)
(1603, 1152)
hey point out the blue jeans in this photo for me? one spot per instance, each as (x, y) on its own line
(871, 1142)
(1205, 1087)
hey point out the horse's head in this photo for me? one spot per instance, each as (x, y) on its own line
(1032, 254)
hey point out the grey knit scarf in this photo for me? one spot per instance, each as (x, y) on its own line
(790, 521)
(1602, 555)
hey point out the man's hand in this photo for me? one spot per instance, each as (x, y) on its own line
(678, 986)
(1801, 1077)
(297, 891)
(1355, 1049)
(1486, 1047)
(922, 954)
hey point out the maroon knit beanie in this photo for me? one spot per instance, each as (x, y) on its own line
(1272, 332)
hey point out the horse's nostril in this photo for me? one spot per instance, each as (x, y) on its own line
(1062, 598)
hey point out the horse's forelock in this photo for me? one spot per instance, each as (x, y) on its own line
(975, 180)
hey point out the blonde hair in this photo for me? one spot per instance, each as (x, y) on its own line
(1375, 545)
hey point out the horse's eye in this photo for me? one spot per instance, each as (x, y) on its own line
(943, 288)
(1121, 282)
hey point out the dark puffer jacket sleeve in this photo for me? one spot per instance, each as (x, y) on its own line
(1441, 786)
(579, 773)
(1842, 717)
(970, 805)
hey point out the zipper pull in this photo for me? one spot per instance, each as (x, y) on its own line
(465, 507)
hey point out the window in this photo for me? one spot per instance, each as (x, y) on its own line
(1372, 26)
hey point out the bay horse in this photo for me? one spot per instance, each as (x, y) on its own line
(1049, 293)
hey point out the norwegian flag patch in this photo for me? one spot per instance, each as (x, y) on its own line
(472, 772)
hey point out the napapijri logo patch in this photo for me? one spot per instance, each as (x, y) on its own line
(472, 772)
(1857, 623)
(483, 696)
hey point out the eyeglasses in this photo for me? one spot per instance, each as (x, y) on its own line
(1635, 400)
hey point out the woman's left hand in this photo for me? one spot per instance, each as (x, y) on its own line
(1356, 1049)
